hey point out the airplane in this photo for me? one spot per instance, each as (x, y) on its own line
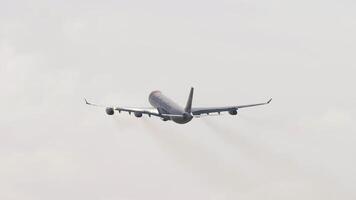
(167, 110)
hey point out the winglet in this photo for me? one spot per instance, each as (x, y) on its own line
(90, 104)
(86, 102)
(269, 101)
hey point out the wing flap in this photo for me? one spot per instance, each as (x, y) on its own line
(147, 111)
(218, 110)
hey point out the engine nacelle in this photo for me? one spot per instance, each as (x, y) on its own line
(109, 111)
(233, 112)
(138, 114)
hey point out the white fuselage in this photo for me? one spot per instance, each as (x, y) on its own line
(164, 105)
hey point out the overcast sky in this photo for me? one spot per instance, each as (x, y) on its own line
(54, 53)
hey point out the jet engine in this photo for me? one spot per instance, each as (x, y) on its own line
(233, 112)
(109, 111)
(138, 114)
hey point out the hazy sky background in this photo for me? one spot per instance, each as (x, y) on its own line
(54, 53)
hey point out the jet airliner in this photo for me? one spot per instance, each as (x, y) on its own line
(166, 109)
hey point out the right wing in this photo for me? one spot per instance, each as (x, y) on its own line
(138, 112)
(231, 109)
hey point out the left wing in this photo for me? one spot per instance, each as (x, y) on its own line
(138, 112)
(231, 109)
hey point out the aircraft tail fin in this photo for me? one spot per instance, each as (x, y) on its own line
(188, 107)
